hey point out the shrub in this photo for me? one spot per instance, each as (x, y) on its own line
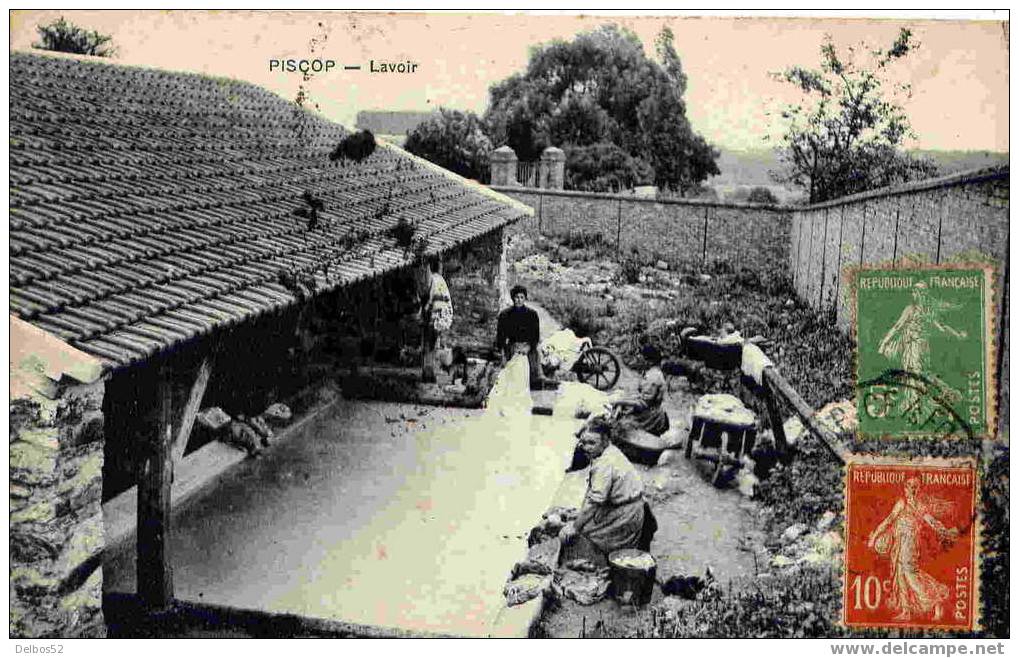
(402, 232)
(62, 36)
(629, 268)
(584, 315)
(453, 140)
(604, 168)
(762, 194)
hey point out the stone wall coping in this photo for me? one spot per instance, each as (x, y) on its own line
(701, 203)
(35, 352)
(962, 178)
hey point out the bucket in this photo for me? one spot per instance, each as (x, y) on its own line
(632, 573)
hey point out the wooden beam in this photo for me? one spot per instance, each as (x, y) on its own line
(187, 419)
(155, 579)
(775, 379)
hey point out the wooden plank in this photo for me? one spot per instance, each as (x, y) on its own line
(155, 579)
(187, 419)
(773, 378)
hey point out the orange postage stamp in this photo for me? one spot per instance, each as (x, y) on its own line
(911, 544)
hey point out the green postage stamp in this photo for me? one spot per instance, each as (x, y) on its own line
(925, 351)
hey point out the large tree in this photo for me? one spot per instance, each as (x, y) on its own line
(454, 140)
(847, 137)
(600, 94)
(63, 36)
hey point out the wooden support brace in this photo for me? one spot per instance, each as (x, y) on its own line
(155, 579)
(187, 419)
(774, 379)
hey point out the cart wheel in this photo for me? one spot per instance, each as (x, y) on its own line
(598, 367)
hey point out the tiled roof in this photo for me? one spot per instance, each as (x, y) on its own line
(148, 207)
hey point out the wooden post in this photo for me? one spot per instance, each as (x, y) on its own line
(704, 248)
(187, 420)
(777, 428)
(619, 229)
(155, 579)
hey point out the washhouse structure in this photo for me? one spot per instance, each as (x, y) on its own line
(179, 241)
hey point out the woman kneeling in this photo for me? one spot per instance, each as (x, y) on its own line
(614, 514)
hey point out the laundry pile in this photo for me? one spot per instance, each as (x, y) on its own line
(251, 434)
(551, 523)
(540, 574)
(582, 581)
(562, 349)
(576, 400)
(532, 576)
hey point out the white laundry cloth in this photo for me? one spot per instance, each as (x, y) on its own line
(511, 393)
(574, 399)
(562, 349)
(754, 363)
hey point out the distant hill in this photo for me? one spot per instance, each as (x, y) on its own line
(752, 167)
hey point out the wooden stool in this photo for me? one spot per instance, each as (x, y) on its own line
(722, 423)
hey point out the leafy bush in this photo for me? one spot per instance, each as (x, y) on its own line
(583, 314)
(454, 140)
(629, 268)
(403, 232)
(761, 194)
(604, 168)
(65, 37)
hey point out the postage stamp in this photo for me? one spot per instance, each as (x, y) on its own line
(924, 355)
(912, 539)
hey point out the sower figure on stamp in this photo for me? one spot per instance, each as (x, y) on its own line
(898, 537)
(518, 324)
(909, 338)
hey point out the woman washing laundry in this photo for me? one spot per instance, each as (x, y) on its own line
(640, 412)
(644, 410)
(614, 514)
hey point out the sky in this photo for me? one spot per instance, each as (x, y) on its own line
(959, 76)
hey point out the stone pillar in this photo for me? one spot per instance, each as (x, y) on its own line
(552, 168)
(56, 486)
(504, 166)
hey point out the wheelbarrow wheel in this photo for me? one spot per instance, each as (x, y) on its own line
(598, 367)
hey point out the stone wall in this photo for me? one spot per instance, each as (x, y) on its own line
(56, 464)
(683, 233)
(476, 278)
(931, 221)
